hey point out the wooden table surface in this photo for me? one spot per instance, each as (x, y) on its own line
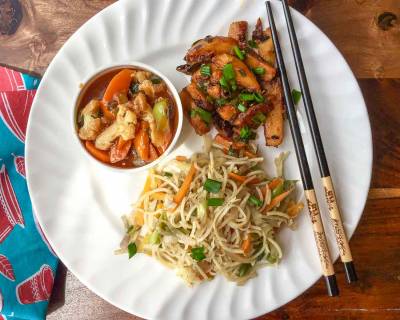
(367, 32)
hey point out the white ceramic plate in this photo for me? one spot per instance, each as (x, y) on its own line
(79, 205)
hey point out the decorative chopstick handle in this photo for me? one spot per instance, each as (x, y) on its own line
(321, 242)
(340, 234)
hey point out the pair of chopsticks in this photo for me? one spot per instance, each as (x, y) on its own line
(318, 228)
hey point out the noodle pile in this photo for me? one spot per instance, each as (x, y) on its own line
(229, 230)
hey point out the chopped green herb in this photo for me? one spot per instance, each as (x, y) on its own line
(167, 174)
(255, 201)
(212, 186)
(244, 133)
(198, 254)
(244, 269)
(132, 249)
(252, 44)
(246, 96)
(259, 118)
(259, 70)
(215, 202)
(238, 52)
(205, 70)
(296, 95)
(259, 97)
(204, 115)
(224, 83)
(228, 71)
(241, 107)
(156, 80)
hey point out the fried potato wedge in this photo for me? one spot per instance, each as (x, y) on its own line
(253, 60)
(238, 31)
(200, 126)
(273, 126)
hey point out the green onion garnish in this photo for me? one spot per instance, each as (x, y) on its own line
(132, 249)
(255, 201)
(238, 52)
(241, 107)
(252, 44)
(296, 95)
(224, 83)
(246, 96)
(228, 71)
(204, 115)
(271, 258)
(258, 70)
(205, 70)
(155, 238)
(244, 133)
(215, 202)
(198, 253)
(244, 269)
(259, 97)
(259, 118)
(277, 190)
(167, 174)
(212, 186)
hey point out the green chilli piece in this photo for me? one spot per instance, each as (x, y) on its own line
(198, 253)
(239, 53)
(215, 202)
(132, 249)
(212, 186)
(296, 95)
(205, 70)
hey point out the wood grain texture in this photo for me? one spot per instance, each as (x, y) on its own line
(372, 53)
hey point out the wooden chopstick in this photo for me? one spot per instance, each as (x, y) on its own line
(318, 228)
(336, 219)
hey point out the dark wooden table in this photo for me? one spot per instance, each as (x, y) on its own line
(367, 32)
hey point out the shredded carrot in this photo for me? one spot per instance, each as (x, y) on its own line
(277, 199)
(242, 179)
(181, 158)
(274, 183)
(246, 246)
(101, 155)
(185, 185)
(158, 196)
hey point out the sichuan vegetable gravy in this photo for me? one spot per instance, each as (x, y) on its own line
(126, 117)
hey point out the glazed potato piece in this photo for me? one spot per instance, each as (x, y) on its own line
(266, 49)
(259, 34)
(246, 118)
(244, 77)
(91, 122)
(238, 31)
(227, 112)
(273, 126)
(214, 91)
(124, 127)
(199, 97)
(203, 50)
(200, 126)
(253, 60)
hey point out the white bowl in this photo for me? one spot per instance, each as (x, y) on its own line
(130, 65)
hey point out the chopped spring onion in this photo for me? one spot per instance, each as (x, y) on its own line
(258, 70)
(245, 133)
(132, 249)
(244, 269)
(246, 96)
(212, 186)
(254, 200)
(160, 114)
(277, 190)
(155, 238)
(204, 115)
(241, 107)
(220, 102)
(252, 44)
(215, 202)
(168, 174)
(198, 253)
(296, 95)
(224, 83)
(259, 118)
(272, 259)
(205, 70)
(238, 52)
(228, 71)
(259, 97)
(156, 80)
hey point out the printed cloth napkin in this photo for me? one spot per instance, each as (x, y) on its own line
(27, 262)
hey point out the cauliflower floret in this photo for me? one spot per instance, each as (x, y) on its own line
(151, 89)
(124, 127)
(91, 122)
(141, 76)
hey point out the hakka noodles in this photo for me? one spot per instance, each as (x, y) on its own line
(217, 212)
(126, 117)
